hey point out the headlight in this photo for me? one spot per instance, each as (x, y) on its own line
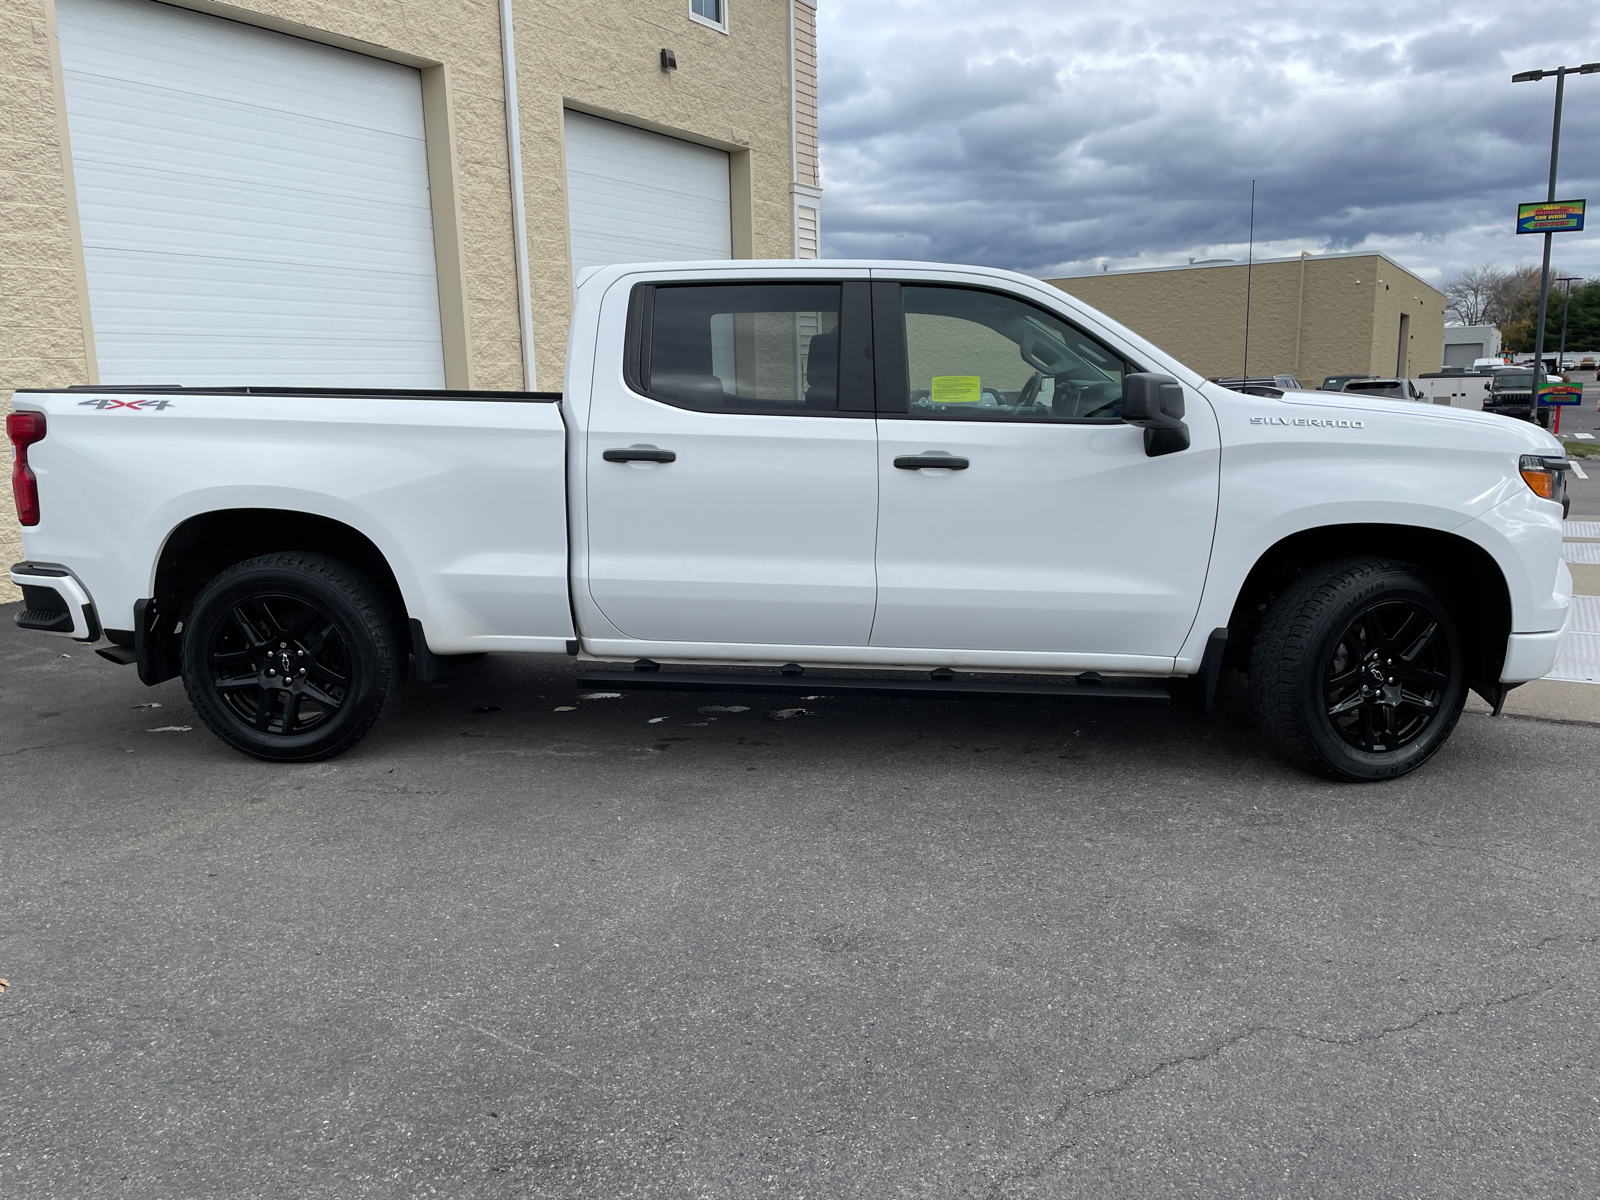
(1543, 475)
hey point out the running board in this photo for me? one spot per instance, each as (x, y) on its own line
(833, 685)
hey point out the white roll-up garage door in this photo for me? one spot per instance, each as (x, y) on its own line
(636, 196)
(254, 206)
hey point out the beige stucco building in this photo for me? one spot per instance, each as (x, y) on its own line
(1311, 317)
(384, 140)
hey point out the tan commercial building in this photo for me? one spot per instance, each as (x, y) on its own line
(388, 193)
(1310, 317)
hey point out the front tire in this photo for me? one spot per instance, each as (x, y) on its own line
(291, 657)
(1358, 672)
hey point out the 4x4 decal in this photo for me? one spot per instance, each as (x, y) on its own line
(106, 402)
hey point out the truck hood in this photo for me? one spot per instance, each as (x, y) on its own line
(1534, 439)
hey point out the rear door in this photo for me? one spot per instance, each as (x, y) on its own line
(1017, 512)
(731, 466)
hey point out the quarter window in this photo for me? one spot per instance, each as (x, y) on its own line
(745, 348)
(980, 356)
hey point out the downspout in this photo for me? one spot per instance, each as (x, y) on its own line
(794, 148)
(519, 213)
(1299, 314)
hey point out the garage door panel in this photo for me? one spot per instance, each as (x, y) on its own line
(637, 196)
(334, 365)
(131, 46)
(254, 207)
(209, 137)
(283, 299)
(221, 220)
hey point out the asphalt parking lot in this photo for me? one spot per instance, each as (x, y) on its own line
(883, 948)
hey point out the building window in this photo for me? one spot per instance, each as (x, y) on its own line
(710, 12)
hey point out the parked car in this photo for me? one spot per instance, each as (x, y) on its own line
(1335, 383)
(1283, 383)
(1393, 389)
(1586, 364)
(810, 466)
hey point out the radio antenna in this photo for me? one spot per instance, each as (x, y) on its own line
(1249, 267)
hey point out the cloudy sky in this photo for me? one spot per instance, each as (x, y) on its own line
(1057, 136)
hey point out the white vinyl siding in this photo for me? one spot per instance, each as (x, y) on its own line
(636, 196)
(808, 239)
(254, 206)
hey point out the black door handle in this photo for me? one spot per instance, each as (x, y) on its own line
(640, 454)
(941, 462)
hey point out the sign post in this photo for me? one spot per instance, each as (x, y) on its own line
(1560, 74)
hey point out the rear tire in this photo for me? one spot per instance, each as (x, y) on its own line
(291, 657)
(1357, 672)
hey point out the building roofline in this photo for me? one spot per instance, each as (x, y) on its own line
(1260, 262)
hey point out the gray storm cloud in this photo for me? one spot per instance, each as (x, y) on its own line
(1053, 138)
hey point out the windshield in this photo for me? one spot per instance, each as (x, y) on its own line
(1512, 381)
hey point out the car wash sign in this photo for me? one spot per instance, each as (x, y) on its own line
(1550, 216)
(1551, 394)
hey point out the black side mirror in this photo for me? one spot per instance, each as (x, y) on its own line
(1155, 404)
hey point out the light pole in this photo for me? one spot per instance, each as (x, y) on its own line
(1560, 74)
(1566, 306)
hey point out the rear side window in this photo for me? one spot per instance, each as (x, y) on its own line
(742, 348)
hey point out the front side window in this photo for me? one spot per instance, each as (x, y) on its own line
(744, 348)
(980, 356)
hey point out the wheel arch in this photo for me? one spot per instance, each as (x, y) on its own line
(1473, 584)
(203, 545)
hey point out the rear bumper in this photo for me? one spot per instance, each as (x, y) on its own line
(55, 601)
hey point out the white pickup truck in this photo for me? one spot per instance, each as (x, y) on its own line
(946, 480)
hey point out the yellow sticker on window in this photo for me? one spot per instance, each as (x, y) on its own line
(957, 389)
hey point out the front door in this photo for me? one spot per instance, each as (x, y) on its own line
(732, 472)
(1017, 512)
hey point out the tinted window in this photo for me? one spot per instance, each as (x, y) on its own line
(980, 356)
(748, 348)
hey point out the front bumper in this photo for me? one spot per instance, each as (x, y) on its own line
(1532, 655)
(55, 601)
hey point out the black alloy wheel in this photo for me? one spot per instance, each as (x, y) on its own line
(1384, 677)
(279, 664)
(1357, 671)
(291, 657)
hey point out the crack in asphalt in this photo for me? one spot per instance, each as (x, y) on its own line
(996, 1187)
(1369, 1039)
(25, 749)
(505, 1041)
(1436, 844)
(1584, 940)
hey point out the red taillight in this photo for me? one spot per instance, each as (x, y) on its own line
(24, 429)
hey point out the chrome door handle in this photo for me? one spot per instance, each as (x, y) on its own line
(640, 454)
(937, 462)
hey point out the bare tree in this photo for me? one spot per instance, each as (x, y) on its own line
(1517, 297)
(1472, 295)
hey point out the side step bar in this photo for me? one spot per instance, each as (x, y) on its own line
(1092, 690)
